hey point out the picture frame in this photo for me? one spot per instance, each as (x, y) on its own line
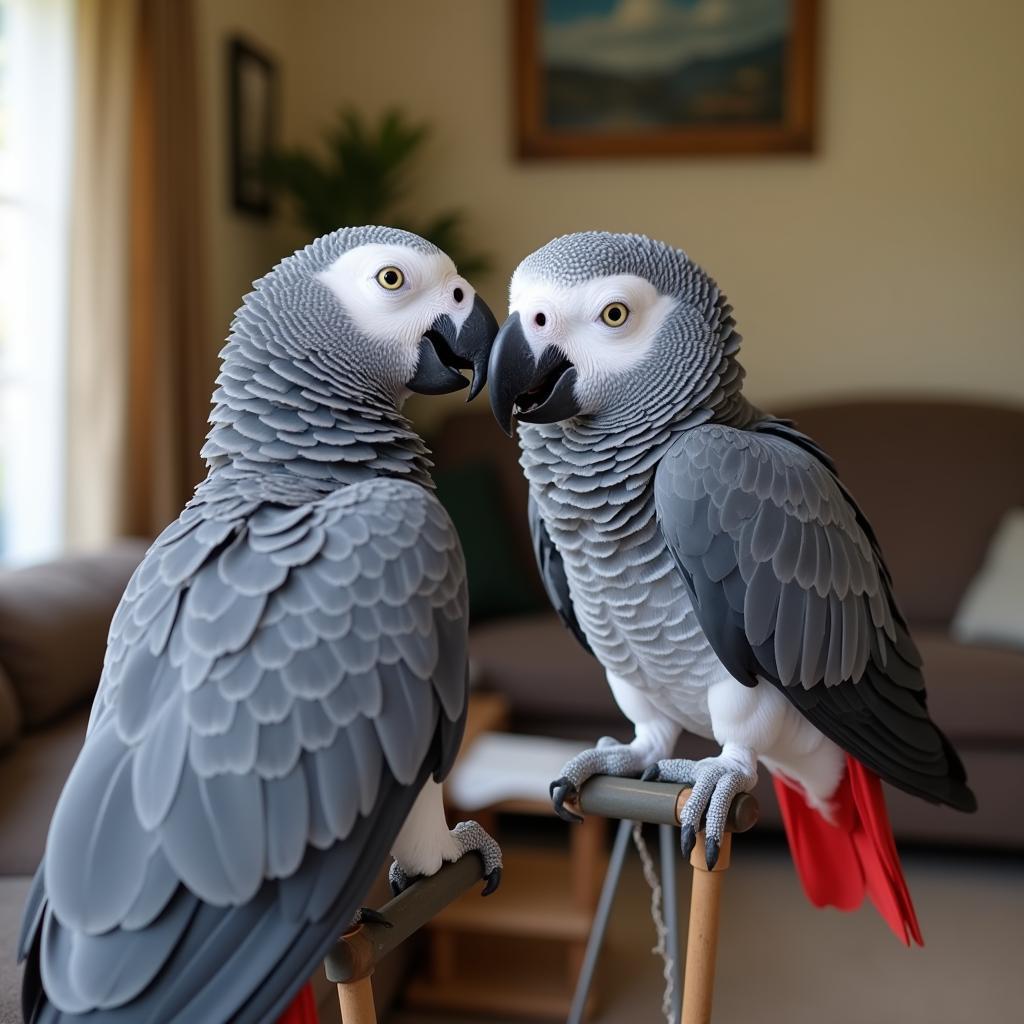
(606, 78)
(252, 119)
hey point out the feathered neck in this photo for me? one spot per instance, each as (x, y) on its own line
(289, 424)
(589, 447)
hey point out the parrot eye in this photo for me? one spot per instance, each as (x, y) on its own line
(615, 314)
(390, 278)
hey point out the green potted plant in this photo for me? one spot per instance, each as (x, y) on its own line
(363, 178)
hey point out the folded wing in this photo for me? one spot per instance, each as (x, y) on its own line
(277, 689)
(790, 587)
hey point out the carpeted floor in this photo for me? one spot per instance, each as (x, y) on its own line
(783, 962)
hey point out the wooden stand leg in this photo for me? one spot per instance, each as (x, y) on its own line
(702, 937)
(356, 999)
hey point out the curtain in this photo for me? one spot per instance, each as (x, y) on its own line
(98, 282)
(140, 366)
(173, 363)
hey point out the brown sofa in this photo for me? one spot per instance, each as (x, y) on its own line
(53, 628)
(934, 477)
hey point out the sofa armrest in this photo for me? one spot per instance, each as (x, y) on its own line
(54, 620)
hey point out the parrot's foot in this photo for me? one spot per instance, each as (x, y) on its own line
(471, 838)
(716, 782)
(609, 757)
(466, 837)
(399, 880)
(366, 915)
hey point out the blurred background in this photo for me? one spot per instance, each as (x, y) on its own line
(849, 171)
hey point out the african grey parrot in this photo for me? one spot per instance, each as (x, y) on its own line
(285, 678)
(712, 560)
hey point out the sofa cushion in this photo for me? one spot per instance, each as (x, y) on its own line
(896, 454)
(992, 609)
(934, 478)
(32, 775)
(10, 711)
(53, 626)
(540, 666)
(974, 693)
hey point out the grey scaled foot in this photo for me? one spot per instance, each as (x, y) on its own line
(468, 837)
(399, 880)
(609, 757)
(716, 782)
(472, 838)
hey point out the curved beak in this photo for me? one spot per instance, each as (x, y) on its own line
(532, 390)
(444, 351)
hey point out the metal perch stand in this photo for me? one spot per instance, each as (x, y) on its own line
(659, 803)
(351, 962)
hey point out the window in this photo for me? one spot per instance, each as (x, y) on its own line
(35, 146)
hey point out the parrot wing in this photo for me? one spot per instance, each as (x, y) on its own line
(552, 574)
(789, 585)
(278, 687)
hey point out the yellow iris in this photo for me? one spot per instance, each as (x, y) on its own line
(390, 278)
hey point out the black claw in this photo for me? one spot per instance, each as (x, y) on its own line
(560, 790)
(493, 881)
(711, 851)
(687, 840)
(651, 773)
(366, 915)
(397, 890)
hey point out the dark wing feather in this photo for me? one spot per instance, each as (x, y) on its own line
(552, 574)
(249, 765)
(789, 585)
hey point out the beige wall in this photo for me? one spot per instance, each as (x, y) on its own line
(242, 247)
(893, 258)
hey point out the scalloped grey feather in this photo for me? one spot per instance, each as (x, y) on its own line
(286, 668)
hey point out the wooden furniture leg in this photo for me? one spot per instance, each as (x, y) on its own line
(356, 999)
(702, 937)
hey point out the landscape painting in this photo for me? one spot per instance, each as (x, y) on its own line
(622, 77)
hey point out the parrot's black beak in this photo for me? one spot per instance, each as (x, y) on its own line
(534, 391)
(444, 351)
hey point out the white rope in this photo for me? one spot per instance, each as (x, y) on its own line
(661, 946)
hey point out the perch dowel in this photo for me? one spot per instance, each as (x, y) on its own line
(657, 803)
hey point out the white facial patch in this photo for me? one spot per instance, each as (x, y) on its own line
(569, 316)
(400, 316)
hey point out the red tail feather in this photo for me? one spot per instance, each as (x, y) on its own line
(302, 1009)
(839, 863)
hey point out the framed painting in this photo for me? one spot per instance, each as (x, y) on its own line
(252, 115)
(661, 77)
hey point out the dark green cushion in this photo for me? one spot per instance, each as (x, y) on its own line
(499, 583)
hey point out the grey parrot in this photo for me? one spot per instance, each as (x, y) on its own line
(285, 677)
(710, 557)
